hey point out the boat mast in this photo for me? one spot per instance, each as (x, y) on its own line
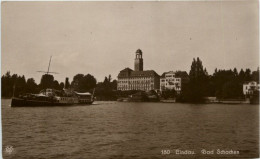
(49, 65)
(48, 71)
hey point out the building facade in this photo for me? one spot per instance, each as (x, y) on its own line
(173, 80)
(138, 79)
(250, 87)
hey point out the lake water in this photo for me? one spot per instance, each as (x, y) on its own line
(129, 130)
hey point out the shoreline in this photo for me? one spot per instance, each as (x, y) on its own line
(232, 102)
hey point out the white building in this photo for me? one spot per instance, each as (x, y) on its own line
(173, 80)
(250, 87)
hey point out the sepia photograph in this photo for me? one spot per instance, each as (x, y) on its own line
(130, 79)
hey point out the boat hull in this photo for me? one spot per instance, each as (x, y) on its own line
(18, 102)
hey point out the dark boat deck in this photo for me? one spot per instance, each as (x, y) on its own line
(18, 102)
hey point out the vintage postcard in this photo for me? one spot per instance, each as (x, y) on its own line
(130, 80)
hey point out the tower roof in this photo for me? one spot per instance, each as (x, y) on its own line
(139, 51)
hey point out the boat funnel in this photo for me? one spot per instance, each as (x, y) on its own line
(66, 83)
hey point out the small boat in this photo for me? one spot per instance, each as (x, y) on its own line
(52, 97)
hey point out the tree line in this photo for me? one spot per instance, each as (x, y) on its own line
(14, 85)
(223, 84)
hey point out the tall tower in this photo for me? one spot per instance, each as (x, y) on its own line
(139, 60)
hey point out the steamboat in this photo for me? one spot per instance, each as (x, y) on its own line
(52, 97)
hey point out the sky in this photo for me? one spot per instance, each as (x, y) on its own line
(101, 38)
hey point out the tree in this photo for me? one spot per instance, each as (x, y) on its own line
(62, 85)
(231, 90)
(78, 77)
(46, 81)
(114, 85)
(31, 86)
(235, 72)
(89, 82)
(106, 83)
(197, 86)
(255, 75)
(248, 75)
(13, 85)
(83, 83)
(228, 83)
(7, 85)
(56, 85)
(77, 81)
(106, 90)
(109, 78)
(241, 75)
(196, 72)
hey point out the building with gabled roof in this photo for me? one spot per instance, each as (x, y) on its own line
(138, 79)
(173, 80)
